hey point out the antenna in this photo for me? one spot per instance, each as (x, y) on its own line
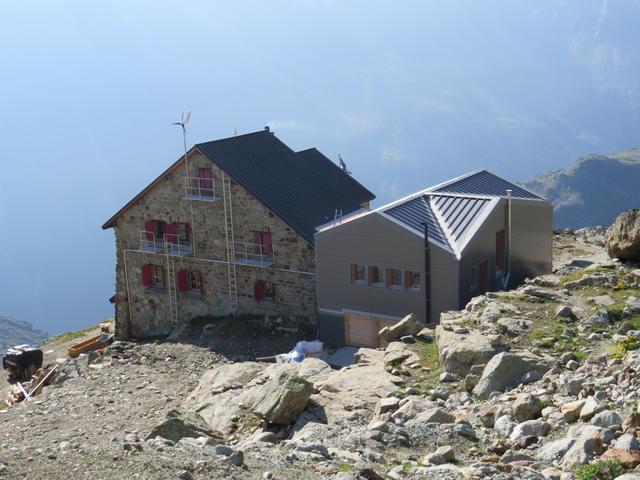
(343, 165)
(183, 122)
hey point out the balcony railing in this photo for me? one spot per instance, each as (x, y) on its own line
(253, 254)
(200, 188)
(168, 244)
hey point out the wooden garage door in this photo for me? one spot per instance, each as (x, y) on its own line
(362, 330)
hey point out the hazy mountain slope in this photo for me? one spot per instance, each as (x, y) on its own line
(15, 332)
(594, 190)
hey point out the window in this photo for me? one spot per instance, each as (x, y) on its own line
(394, 278)
(500, 252)
(263, 241)
(189, 281)
(154, 229)
(375, 277)
(264, 291)
(473, 279)
(412, 280)
(178, 232)
(358, 274)
(153, 276)
(206, 181)
(183, 231)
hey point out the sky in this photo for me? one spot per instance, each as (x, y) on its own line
(408, 93)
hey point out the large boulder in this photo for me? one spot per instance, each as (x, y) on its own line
(505, 371)
(283, 398)
(460, 352)
(622, 240)
(179, 424)
(409, 325)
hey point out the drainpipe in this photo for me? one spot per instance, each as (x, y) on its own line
(427, 274)
(506, 278)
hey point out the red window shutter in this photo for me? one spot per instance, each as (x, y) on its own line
(183, 281)
(258, 290)
(149, 229)
(146, 276)
(206, 178)
(265, 241)
(171, 232)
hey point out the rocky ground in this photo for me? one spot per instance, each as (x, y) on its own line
(525, 384)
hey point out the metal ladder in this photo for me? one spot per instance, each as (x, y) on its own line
(173, 298)
(231, 251)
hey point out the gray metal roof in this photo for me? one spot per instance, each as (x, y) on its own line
(460, 214)
(485, 183)
(303, 192)
(329, 172)
(414, 213)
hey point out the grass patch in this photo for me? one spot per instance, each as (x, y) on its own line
(3, 405)
(429, 376)
(344, 467)
(70, 336)
(577, 275)
(600, 470)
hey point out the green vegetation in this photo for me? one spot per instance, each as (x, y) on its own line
(344, 467)
(572, 277)
(548, 331)
(69, 336)
(600, 470)
(429, 376)
(3, 405)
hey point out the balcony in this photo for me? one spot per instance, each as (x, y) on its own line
(168, 244)
(200, 188)
(253, 254)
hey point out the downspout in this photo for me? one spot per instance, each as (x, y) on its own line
(427, 274)
(506, 278)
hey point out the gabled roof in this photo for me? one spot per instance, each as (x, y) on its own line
(304, 193)
(483, 182)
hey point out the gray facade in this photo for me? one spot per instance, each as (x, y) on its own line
(468, 239)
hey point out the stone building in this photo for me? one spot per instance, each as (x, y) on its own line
(227, 230)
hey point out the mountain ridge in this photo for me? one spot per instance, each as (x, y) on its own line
(16, 332)
(594, 190)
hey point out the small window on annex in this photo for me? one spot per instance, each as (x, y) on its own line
(358, 274)
(394, 278)
(412, 280)
(375, 277)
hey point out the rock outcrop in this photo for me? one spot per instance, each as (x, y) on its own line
(622, 240)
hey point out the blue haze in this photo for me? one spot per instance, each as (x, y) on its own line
(409, 93)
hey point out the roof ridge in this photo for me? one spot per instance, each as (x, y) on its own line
(264, 130)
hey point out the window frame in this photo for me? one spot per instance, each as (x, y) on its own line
(473, 278)
(380, 277)
(197, 276)
(408, 281)
(355, 267)
(390, 274)
(157, 277)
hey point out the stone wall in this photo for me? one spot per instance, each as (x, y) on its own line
(292, 272)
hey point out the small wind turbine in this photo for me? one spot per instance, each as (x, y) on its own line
(183, 122)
